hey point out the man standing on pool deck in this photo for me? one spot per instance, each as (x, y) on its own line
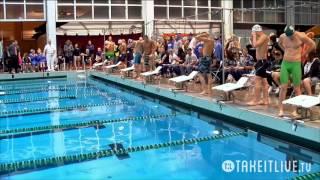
(149, 49)
(138, 50)
(292, 42)
(205, 62)
(260, 41)
(49, 52)
(109, 47)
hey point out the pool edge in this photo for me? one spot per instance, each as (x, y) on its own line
(31, 76)
(304, 135)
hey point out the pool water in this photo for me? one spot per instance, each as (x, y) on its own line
(31, 104)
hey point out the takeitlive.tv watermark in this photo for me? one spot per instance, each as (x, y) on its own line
(265, 166)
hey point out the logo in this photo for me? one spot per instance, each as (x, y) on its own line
(228, 166)
(263, 166)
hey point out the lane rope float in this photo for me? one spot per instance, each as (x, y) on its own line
(45, 110)
(33, 99)
(18, 87)
(69, 159)
(41, 90)
(36, 80)
(8, 132)
(310, 176)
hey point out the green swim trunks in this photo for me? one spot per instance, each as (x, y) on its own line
(109, 55)
(291, 70)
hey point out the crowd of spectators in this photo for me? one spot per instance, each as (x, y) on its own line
(179, 55)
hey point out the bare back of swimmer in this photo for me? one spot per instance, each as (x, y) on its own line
(138, 50)
(149, 49)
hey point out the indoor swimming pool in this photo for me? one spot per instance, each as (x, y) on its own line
(84, 128)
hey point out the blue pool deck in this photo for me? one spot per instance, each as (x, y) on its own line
(260, 118)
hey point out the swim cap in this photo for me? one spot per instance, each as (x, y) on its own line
(289, 30)
(256, 28)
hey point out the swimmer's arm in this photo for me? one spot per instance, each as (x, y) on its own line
(202, 37)
(258, 43)
(309, 43)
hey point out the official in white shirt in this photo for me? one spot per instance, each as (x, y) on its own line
(49, 52)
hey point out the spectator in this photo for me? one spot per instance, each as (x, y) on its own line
(34, 60)
(49, 52)
(13, 53)
(190, 63)
(274, 77)
(41, 58)
(170, 44)
(91, 48)
(26, 63)
(218, 52)
(99, 56)
(311, 73)
(68, 53)
(86, 57)
(76, 56)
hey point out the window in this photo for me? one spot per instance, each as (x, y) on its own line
(34, 1)
(84, 12)
(175, 12)
(65, 1)
(101, 12)
(270, 17)
(134, 1)
(101, 1)
(1, 11)
(216, 14)
(160, 12)
(269, 3)
(134, 12)
(259, 4)
(34, 11)
(203, 3)
(259, 16)
(15, 11)
(216, 3)
(280, 17)
(247, 4)
(175, 2)
(84, 1)
(237, 14)
(190, 13)
(248, 16)
(160, 2)
(203, 13)
(236, 3)
(17, 1)
(65, 12)
(189, 3)
(118, 12)
(315, 19)
(280, 3)
(118, 1)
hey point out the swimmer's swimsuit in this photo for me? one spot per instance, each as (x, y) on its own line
(292, 70)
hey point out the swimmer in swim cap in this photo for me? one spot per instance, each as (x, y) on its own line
(260, 41)
(291, 42)
(289, 31)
